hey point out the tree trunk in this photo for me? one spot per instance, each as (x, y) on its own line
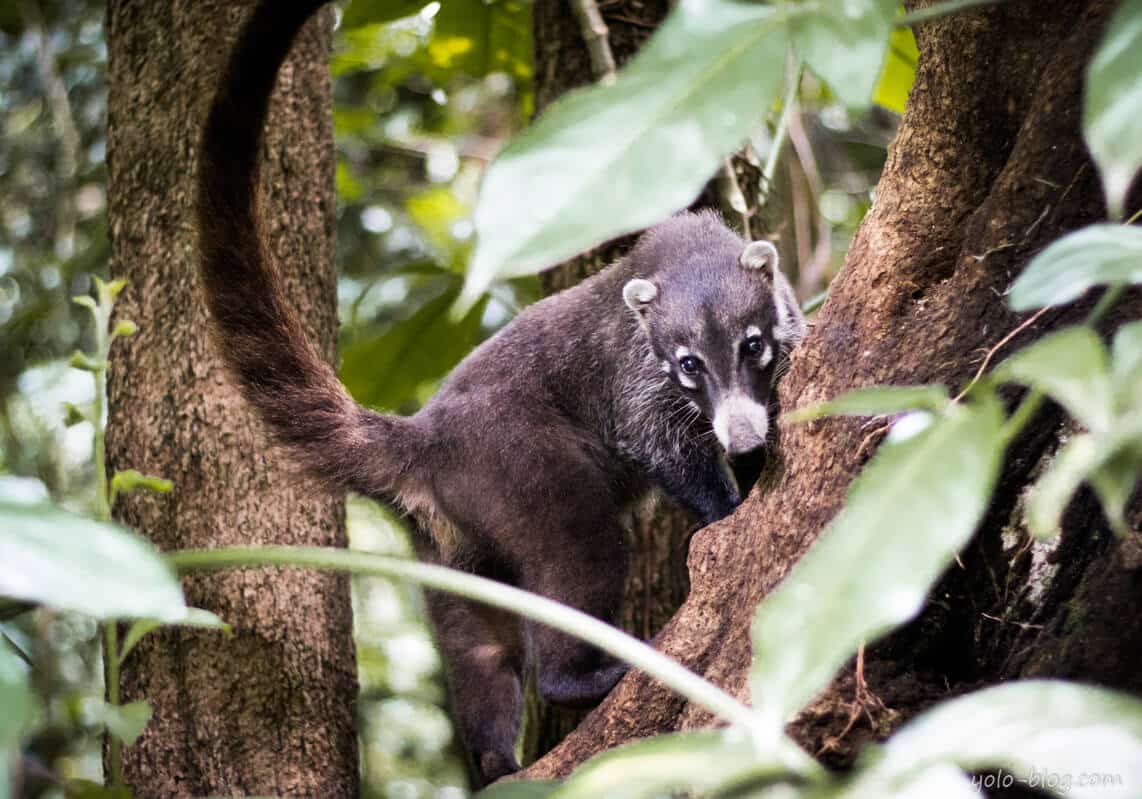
(271, 709)
(988, 166)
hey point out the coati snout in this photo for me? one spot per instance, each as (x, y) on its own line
(522, 466)
(700, 307)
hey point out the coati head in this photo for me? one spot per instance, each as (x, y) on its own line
(720, 318)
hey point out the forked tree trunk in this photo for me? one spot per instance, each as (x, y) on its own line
(988, 167)
(271, 710)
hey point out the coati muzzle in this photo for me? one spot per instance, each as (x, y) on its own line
(741, 424)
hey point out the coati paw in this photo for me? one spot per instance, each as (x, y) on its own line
(580, 689)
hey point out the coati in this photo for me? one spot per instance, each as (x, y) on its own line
(520, 468)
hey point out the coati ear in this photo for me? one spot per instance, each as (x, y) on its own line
(760, 255)
(639, 293)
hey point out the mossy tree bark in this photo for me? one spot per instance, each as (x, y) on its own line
(271, 709)
(988, 167)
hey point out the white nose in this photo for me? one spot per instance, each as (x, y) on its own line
(741, 424)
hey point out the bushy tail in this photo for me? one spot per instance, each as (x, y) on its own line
(260, 336)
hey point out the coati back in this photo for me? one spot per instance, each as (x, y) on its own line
(522, 465)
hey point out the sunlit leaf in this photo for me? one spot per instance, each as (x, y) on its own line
(1072, 368)
(1091, 256)
(50, 556)
(519, 790)
(125, 722)
(1126, 367)
(614, 159)
(905, 518)
(843, 42)
(480, 37)
(691, 762)
(942, 781)
(386, 370)
(1040, 731)
(876, 400)
(1114, 483)
(1110, 454)
(1112, 121)
(899, 71)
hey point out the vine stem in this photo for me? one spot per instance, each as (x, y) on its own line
(532, 606)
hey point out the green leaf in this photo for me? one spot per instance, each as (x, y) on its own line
(614, 159)
(86, 789)
(907, 515)
(480, 37)
(940, 780)
(519, 790)
(1112, 113)
(15, 699)
(195, 617)
(124, 328)
(1114, 483)
(389, 369)
(54, 557)
(370, 12)
(843, 42)
(1110, 455)
(1091, 256)
(899, 71)
(129, 480)
(81, 360)
(1126, 367)
(1037, 730)
(876, 400)
(1072, 368)
(690, 762)
(126, 722)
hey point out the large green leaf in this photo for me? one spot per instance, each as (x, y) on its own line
(388, 369)
(942, 781)
(1091, 256)
(876, 400)
(54, 557)
(691, 762)
(908, 513)
(843, 42)
(1071, 367)
(1112, 114)
(613, 159)
(1086, 741)
(519, 790)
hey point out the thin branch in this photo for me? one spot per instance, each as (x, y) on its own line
(779, 133)
(1026, 323)
(594, 31)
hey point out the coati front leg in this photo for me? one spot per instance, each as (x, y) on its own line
(697, 475)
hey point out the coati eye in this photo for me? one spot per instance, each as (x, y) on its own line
(690, 365)
(754, 346)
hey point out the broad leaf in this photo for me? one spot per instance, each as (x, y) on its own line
(691, 762)
(1111, 456)
(1126, 367)
(614, 159)
(843, 42)
(1048, 733)
(1091, 256)
(907, 515)
(54, 557)
(899, 71)
(125, 722)
(941, 780)
(388, 369)
(876, 400)
(1112, 114)
(1071, 367)
(519, 790)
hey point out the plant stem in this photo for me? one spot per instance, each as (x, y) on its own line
(532, 606)
(941, 10)
(780, 133)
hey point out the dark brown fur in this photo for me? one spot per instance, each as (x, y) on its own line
(522, 466)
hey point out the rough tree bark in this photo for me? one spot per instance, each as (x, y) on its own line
(658, 580)
(988, 166)
(270, 710)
